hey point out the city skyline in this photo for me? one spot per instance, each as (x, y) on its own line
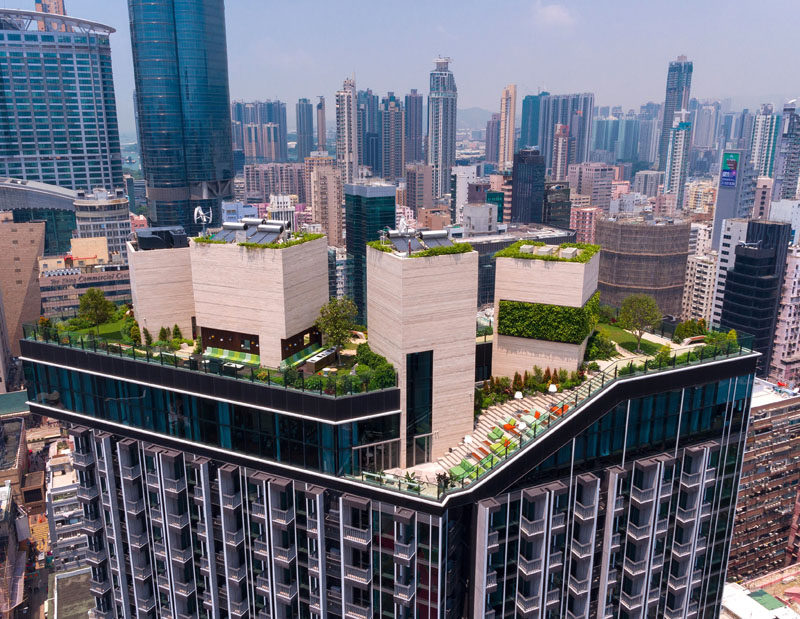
(598, 40)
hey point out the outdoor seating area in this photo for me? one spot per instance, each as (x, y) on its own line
(301, 356)
(231, 356)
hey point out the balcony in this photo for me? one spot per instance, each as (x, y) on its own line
(584, 512)
(404, 551)
(82, 460)
(138, 540)
(639, 531)
(162, 581)
(87, 493)
(616, 540)
(155, 514)
(528, 606)
(531, 528)
(184, 589)
(96, 557)
(262, 584)
(687, 514)
(312, 526)
(354, 534)
(282, 516)
(582, 549)
(131, 472)
(134, 507)
(286, 592)
(237, 573)
(285, 555)
(643, 496)
(556, 560)
(579, 586)
(619, 503)
(91, 525)
(142, 572)
(631, 601)
(491, 582)
(182, 555)
(354, 611)
(558, 520)
(232, 501)
(99, 588)
(682, 549)
(635, 567)
(553, 596)
(691, 480)
(159, 548)
(530, 566)
(679, 582)
(234, 538)
(261, 548)
(257, 509)
(151, 478)
(404, 593)
(493, 541)
(359, 574)
(174, 486)
(239, 607)
(178, 521)
(205, 567)
(145, 604)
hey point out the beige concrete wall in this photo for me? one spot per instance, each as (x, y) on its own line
(272, 293)
(546, 281)
(517, 354)
(419, 304)
(161, 289)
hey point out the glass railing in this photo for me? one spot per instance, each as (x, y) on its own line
(332, 386)
(562, 409)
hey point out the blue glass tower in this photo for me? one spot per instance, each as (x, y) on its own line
(181, 69)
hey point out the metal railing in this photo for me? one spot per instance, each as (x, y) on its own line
(351, 533)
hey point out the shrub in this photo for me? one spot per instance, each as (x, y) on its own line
(514, 251)
(148, 339)
(163, 334)
(175, 344)
(455, 248)
(689, 328)
(136, 336)
(176, 332)
(553, 323)
(600, 346)
(664, 356)
(593, 367)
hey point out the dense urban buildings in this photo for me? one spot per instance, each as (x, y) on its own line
(787, 157)
(592, 180)
(324, 187)
(419, 186)
(508, 130)
(180, 56)
(766, 129)
(679, 84)
(61, 128)
(576, 112)
(264, 179)
(442, 102)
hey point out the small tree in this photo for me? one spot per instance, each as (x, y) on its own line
(176, 332)
(517, 385)
(148, 339)
(638, 313)
(136, 335)
(664, 355)
(335, 321)
(163, 335)
(95, 308)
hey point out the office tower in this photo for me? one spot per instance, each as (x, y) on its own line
(529, 135)
(492, 140)
(264, 179)
(322, 137)
(31, 201)
(419, 186)
(647, 182)
(678, 158)
(785, 365)
(557, 205)
(762, 199)
(698, 291)
(58, 139)
(583, 219)
(704, 134)
(414, 151)
(347, 156)
(369, 208)
(593, 180)
(647, 149)
(368, 130)
(736, 192)
(180, 60)
(753, 285)
(561, 152)
(766, 130)
(679, 83)
(104, 214)
(643, 256)
(391, 121)
(575, 111)
(442, 102)
(325, 196)
(21, 245)
(762, 533)
(305, 129)
(527, 183)
(508, 130)
(787, 157)
(420, 314)
(460, 178)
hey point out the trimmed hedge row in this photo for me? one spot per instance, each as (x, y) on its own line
(296, 240)
(513, 251)
(455, 248)
(552, 323)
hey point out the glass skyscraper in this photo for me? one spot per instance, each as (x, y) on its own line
(442, 103)
(679, 84)
(180, 64)
(58, 121)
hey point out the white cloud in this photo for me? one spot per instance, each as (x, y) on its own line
(552, 14)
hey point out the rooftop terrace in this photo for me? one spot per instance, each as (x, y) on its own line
(538, 250)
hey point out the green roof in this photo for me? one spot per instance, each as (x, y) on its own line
(766, 600)
(14, 402)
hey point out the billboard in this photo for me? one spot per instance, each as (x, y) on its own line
(730, 166)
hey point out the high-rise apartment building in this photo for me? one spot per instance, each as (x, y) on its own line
(492, 139)
(508, 130)
(699, 197)
(593, 180)
(260, 130)
(347, 156)
(62, 126)
(460, 178)
(264, 179)
(698, 291)
(649, 136)
(180, 67)
(679, 83)
(369, 208)
(736, 192)
(305, 129)
(677, 161)
(413, 131)
(583, 220)
(368, 130)
(561, 152)
(527, 182)
(785, 364)
(787, 157)
(325, 196)
(391, 121)
(576, 112)
(529, 135)
(647, 182)
(322, 139)
(705, 123)
(442, 109)
(762, 199)
(766, 130)
(419, 186)
(68, 542)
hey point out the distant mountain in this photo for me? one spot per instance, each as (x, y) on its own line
(473, 118)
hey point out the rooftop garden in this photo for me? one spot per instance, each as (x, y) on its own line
(297, 238)
(455, 248)
(585, 253)
(553, 323)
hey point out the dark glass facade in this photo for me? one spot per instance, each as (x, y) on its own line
(59, 224)
(419, 407)
(529, 136)
(368, 210)
(181, 68)
(557, 205)
(305, 129)
(527, 197)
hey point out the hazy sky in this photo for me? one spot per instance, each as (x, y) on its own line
(618, 49)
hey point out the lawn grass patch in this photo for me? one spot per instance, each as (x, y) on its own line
(627, 340)
(109, 330)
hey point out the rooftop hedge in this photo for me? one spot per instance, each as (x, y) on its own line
(381, 246)
(552, 323)
(297, 239)
(455, 248)
(514, 251)
(208, 240)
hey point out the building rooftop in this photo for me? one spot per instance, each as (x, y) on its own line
(14, 402)
(252, 230)
(10, 432)
(766, 393)
(538, 250)
(14, 19)
(418, 244)
(71, 594)
(739, 603)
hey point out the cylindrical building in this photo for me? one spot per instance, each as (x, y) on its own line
(104, 213)
(641, 256)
